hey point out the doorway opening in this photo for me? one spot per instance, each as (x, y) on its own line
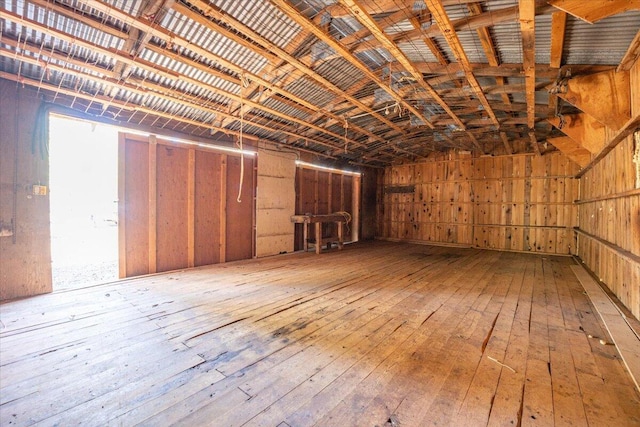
(83, 181)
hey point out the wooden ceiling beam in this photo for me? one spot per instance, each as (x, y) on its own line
(173, 39)
(486, 19)
(632, 54)
(309, 25)
(489, 48)
(148, 88)
(162, 89)
(558, 26)
(366, 20)
(605, 96)
(571, 149)
(379, 6)
(218, 14)
(443, 21)
(431, 44)
(528, 31)
(506, 143)
(583, 129)
(593, 11)
(534, 143)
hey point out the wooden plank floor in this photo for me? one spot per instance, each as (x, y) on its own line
(382, 334)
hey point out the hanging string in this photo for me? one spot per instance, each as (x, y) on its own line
(346, 141)
(243, 84)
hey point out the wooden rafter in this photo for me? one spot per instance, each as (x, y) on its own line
(485, 19)
(527, 28)
(443, 21)
(506, 143)
(488, 47)
(593, 11)
(218, 14)
(163, 92)
(366, 20)
(303, 21)
(431, 44)
(151, 89)
(534, 143)
(632, 54)
(558, 26)
(171, 38)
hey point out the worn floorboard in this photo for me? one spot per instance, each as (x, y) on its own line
(380, 334)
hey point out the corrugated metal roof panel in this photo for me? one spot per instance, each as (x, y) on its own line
(604, 42)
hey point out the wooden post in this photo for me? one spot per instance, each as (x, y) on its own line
(191, 208)
(153, 194)
(122, 209)
(223, 207)
(355, 210)
(318, 236)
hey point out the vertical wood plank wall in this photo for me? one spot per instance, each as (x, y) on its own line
(520, 202)
(25, 256)
(179, 206)
(323, 192)
(609, 209)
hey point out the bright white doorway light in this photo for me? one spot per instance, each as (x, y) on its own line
(83, 181)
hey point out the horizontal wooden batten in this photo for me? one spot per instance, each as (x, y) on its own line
(617, 249)
(622, 195)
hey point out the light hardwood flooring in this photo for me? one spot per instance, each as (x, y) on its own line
(380, 334)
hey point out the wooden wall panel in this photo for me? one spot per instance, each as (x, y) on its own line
(207, 206)
(240, 215)
(609, 212)
(521, 203)
(172, 211)
(134, 207)
(323, 192)
(25, 254)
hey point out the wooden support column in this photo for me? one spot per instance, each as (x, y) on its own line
(528, 30)
(223, 207)
(122, 211)
(153, 194)
(191, 207)
(355, 210)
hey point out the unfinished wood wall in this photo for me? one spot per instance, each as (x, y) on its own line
(609, 208)
(25, 237)
(323, 192)
(520, 202)
(179, 208)
(275, 202)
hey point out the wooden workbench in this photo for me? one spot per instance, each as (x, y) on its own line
(318, 220)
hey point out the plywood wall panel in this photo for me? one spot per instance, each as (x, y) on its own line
(275, 203)
(172, 209)
(207, 206)
(135, 213)
(25, 257)
(239, 230)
